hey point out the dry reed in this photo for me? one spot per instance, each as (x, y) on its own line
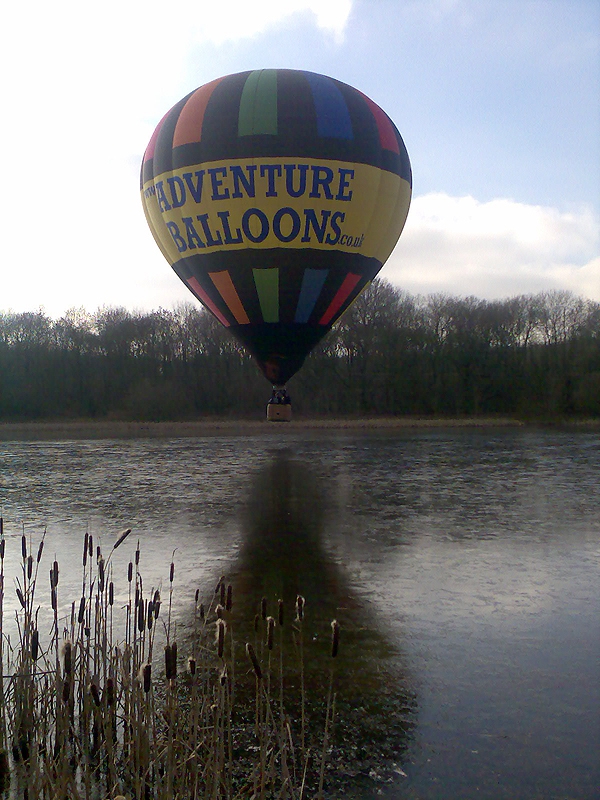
(87, 712)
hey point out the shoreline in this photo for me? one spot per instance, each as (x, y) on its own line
(119, 429)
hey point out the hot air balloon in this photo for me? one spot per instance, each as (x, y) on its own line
(276, 195)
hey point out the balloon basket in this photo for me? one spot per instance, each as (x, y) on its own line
(277, 412)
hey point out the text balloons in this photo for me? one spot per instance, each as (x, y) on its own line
(276, 195)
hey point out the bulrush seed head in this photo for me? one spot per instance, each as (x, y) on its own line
(263, 608)
(35, 645)
(40, 551)
(109, 691)
(300, 607)
(122, 538)
(146, 677)
(229, 598)
(219, 611)
(254, 661)
(67, 657)
(280, 612)
(270, 632)
(335, 638)
(24, 546)
(220, 637)
(192, 666)
(95, 692)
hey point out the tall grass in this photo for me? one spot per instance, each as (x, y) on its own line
(97, 703)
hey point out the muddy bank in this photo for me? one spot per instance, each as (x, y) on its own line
(90, 429)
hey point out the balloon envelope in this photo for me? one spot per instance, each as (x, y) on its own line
(276, 196)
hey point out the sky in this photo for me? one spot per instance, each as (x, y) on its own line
(498, 103)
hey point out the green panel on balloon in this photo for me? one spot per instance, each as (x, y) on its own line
(267, 286)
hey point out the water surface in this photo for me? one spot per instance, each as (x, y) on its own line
(467, 560)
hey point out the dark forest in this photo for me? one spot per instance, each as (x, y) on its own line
(532, 356)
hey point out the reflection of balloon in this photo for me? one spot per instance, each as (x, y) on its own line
(276, 196)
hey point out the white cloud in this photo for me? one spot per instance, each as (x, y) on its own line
(495, 249)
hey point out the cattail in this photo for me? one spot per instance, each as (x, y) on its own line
(146, 677)
(55, 570)
(81, 614)
(223, 676)
(270, 630)
(335, 638)
(171, 661)
(20, 596)
(29, 567)
(219, 584)
(2, 545)
(67, 658)
(256, 623)
(137, 554)
(90, 545)
(130, 572)
(95, 692)
(66, 690)
(280, 612)
(223, 591)
(98, 553)
(24, 546)
(263, 608)
(202, 612)
(229, 598)
(122, 538)
(101, 574)
(254, 661)
(171, 572)
(1, 526)
(109, 691)
(156, 602)
(219, 611)
(111, 594)
(54, 599)
(85, 548)
(192, 666)
(220, 637)
(40, 551)
(197, 596)
(300, 608)
(35, 645)
(141, 615)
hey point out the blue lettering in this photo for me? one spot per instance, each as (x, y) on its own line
(163, 203)
(224, 217)
(174, 231)
(196, 190)
(345, 175)
(218, 182)
(177, 189)
(322, 176)
(310, 216)
(289, 179)
(264, 225)
(210, 240)
(193, 239)
(271, 170)
(336, 216)
(247, 182)
(295, 217)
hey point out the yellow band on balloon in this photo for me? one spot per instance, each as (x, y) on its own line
(294, 203)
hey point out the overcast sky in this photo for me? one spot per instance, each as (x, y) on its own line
(497, 102)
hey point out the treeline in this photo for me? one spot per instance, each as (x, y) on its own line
(392, 353)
